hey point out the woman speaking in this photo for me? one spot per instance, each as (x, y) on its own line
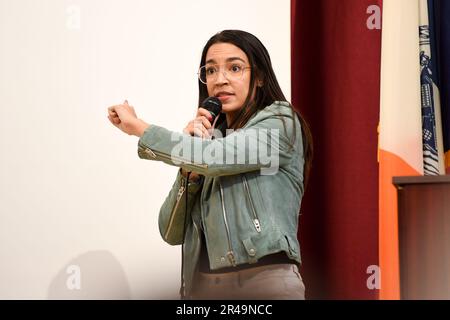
(244, 163)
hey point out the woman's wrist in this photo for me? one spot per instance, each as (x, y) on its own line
(140, 127)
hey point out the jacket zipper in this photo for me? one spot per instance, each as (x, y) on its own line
(230, 252)
(175, 207)
(255, 216)
(155, 154)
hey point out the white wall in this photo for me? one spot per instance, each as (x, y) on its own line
(72, 188)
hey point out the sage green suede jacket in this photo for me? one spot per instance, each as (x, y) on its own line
(247, 203)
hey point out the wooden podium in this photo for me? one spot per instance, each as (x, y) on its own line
(424, 236)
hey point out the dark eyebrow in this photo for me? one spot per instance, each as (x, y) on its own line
(228, 60)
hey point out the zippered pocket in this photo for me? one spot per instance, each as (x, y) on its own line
(180, 193)
(256, 221)
(230, 252)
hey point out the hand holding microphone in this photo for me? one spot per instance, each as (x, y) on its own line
(203, 125)
(207, 115)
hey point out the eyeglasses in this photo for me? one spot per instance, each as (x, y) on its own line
(233, 71)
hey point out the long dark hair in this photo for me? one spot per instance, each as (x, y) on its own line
(266, 94)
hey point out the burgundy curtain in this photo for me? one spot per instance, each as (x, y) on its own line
(335, 85)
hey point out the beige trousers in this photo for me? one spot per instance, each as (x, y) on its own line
(269, 282)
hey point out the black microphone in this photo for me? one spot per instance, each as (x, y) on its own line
(213, 105)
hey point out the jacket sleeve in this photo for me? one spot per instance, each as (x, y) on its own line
(263, 145)
(172, 213)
